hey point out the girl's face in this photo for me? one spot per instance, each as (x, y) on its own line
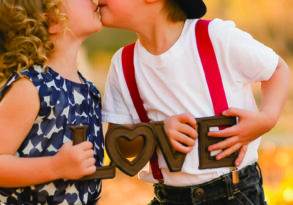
(83, 17)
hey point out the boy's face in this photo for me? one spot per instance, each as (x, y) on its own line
(119, 13)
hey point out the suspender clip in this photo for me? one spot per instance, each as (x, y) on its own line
(235, 176)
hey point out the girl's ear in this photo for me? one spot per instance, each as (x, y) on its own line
(55, 28)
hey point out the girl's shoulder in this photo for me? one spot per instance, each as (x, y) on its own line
(19, 92)
(26, 78)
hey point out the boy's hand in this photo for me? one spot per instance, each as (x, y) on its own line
(181, 131)
(251, 125)
(75, 162)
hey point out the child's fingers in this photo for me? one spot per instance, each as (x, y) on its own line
(179, 147)
(88, 154)
(228, 151)
(90, 170)
(234, 112)
(85, 145)
(241, 155)
(90, 162)
(187, 118)
(184, 139)
(227, 132)
(224, 144)
(188, 130)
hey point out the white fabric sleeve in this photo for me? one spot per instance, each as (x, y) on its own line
(247, 58)
(115, 109)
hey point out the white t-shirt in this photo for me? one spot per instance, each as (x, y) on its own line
(174, 83)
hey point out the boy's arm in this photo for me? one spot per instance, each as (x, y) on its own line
(275, 93)
(253, 124)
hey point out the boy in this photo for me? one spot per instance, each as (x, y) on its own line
(172, 85)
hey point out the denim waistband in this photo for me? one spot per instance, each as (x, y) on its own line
(217, 188)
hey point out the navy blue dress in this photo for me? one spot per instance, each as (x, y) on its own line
(63, 103)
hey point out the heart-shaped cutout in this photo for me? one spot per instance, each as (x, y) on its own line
(130, 148)
(123, 134)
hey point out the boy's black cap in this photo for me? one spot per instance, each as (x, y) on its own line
(2, 49)
(192, 8)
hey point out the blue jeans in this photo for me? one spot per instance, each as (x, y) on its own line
(219, 191)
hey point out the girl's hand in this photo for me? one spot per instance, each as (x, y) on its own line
(181, 131)
(75, 162)
(251, 125)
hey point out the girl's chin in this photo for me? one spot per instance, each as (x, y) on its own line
(86, 34)
(97, 27)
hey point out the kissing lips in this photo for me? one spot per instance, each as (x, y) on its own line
(97, 9)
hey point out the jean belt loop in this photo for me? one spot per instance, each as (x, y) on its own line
(229, 187)
(192, 196)
(259, 173)
(161, 192)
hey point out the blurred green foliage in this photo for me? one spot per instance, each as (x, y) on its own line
(108, 41)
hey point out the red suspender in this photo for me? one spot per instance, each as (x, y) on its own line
(211, 67)
(212, 74)
(129, 75)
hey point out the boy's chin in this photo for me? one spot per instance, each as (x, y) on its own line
(110, 24)
(106, 21)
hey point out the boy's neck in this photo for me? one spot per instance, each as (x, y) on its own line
(158, 36)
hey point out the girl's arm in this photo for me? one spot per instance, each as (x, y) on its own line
(21, 172)
(18, 110)
(71, 162)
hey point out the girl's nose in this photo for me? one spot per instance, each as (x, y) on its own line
(96, 2)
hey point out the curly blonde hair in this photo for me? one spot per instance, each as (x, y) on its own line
(24, 35)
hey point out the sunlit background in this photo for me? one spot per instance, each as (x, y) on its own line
(270, 21)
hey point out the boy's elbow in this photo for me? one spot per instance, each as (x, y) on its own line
(281, 75)
(282, 65)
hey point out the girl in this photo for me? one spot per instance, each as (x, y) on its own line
(44, 96)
